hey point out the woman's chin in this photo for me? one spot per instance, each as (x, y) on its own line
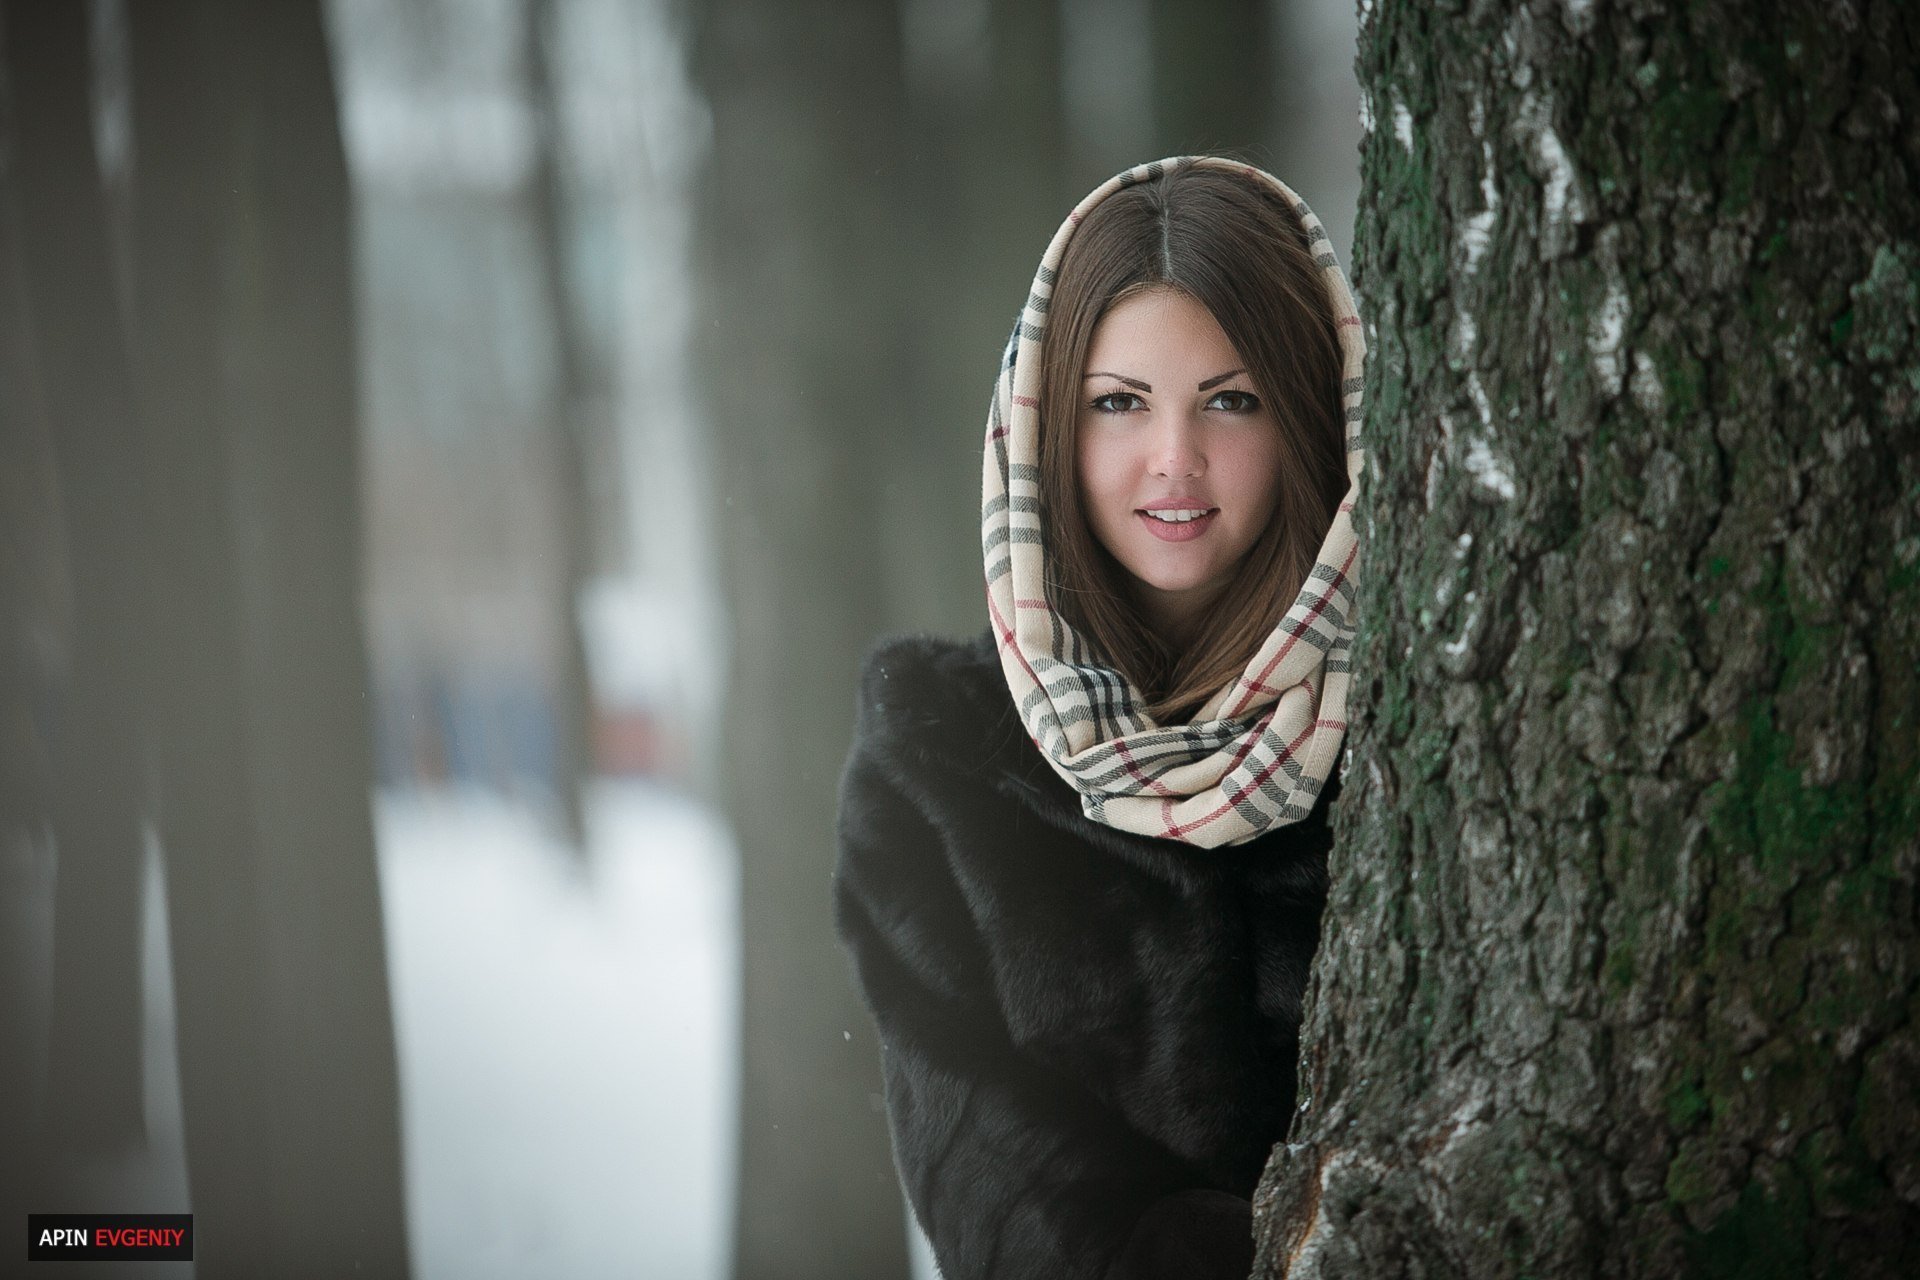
(1181, 588)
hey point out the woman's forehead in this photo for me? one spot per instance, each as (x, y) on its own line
(1161, 327)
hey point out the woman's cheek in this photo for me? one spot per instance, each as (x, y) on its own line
(1095, 488)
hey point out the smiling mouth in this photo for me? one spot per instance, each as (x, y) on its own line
(1178, 525)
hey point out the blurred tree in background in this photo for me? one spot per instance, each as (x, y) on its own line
(187, 403)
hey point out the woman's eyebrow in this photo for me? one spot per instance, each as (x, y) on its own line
(1135, 383)
(1138, 385)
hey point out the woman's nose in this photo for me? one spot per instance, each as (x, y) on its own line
(1177, 451)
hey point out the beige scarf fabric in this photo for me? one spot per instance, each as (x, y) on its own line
(1257, 752)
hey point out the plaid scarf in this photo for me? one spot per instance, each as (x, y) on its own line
(1255, 755)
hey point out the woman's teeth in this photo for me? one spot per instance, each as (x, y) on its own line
(1177, 517)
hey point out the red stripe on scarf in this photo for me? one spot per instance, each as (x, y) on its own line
(1319, 605)
(1152, 784)
(1263, 688)
(1006, 639)
(1286, 754)
(1257, 732)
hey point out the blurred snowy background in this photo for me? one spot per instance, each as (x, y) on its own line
(537, 467)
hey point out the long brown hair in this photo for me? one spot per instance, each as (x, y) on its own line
(1230, 242)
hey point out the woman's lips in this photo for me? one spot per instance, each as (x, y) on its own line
(1169, 531)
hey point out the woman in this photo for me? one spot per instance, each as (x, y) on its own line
(1083, 858)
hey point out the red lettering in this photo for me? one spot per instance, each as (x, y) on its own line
(134, 1237)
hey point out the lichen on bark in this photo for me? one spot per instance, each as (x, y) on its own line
(1621, 966)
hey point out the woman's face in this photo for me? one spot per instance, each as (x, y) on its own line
(1177, 456)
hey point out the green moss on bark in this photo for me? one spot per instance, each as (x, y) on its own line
(1763, 1237)
(1767, 807)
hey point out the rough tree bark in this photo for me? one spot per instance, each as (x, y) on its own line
(1619, 971)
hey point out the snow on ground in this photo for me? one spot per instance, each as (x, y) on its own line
(566, 1035)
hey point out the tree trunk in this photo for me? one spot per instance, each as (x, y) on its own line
(802, 352)
(93, 1102)
(1619, 966)
(567, 429)
(989, 167)
(244, 334)
(1211, 81)
(35, 620)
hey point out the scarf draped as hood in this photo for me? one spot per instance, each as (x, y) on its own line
(1257, 752)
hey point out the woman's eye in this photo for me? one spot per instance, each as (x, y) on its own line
(1234, 401)
(1117, 402)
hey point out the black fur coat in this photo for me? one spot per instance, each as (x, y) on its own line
(1088, 1036)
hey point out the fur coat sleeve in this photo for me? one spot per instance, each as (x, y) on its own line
(1088, 1037)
